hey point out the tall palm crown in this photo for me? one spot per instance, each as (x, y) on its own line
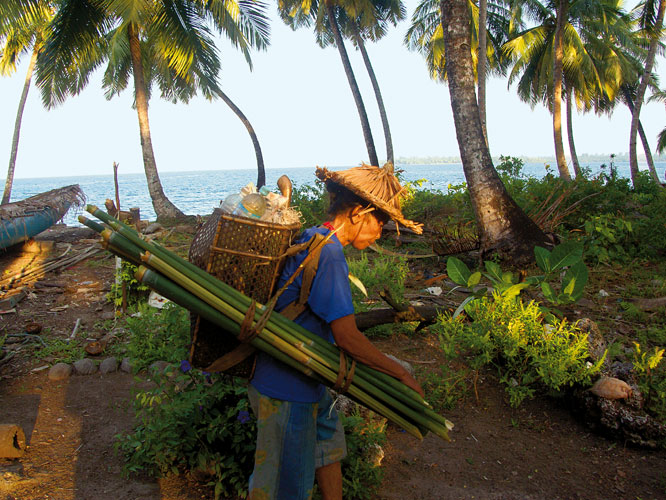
(163, 43)
(24, 31)
(176, 39)
(599, 52)
(425, 36)
(560, 49)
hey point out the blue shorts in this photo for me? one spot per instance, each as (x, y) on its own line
(293, 440)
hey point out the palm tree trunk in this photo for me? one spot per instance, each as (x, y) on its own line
(641, 133)
(642, 87)
(557, 91)
(572, 145)
(380, 101)
(165, 210)
(503, 226)
(17, 126)
(365, 124)
(261, 172)
(482, 61)
(648, 154)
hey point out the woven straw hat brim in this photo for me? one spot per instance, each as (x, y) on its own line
(376, 185)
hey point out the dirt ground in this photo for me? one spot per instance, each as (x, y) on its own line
(539, 451)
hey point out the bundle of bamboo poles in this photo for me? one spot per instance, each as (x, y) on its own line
(191, 287)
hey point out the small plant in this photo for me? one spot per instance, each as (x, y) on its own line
(445, 387)
(135, 291)
(565, 258)
(651, 375)
(527, 353)
(158, 335)
(568, 258)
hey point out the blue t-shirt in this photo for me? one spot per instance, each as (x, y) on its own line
(330, 299)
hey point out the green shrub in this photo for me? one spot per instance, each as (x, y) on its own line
(312, 202)
(608, 238)
(158, 335)
(193, 421)
(384, 272)
(651, 376)
(528, 353)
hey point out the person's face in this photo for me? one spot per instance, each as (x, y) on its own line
(369, 230)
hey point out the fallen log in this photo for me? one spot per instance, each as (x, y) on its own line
(376, 317)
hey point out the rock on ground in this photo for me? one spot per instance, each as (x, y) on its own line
(109, 365)
(85, 366)
(60, 371)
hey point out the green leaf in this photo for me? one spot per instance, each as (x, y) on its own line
(462, 305)
(542, 258)
(548, 292)
(508, 277)
(514, 290)
(566, 254)
(358, 284)
(473, 279)
(494, 270)
(575, 280)
(457, 271)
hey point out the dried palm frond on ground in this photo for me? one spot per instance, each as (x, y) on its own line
(455, 238)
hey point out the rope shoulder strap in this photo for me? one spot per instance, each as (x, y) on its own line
(314, 247)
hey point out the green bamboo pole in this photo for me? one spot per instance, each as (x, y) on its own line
(296, 360)
(284, 342)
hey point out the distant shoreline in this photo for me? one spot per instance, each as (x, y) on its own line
(583, 159)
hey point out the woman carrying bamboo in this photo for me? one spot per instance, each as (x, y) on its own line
(300, 437)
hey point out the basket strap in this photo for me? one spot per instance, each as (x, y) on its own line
(231, 359)
(309, 268)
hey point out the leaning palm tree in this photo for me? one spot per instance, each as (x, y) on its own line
(163, 43)
(298, 13)
(16, 39)
(653, 23)
(372, 24)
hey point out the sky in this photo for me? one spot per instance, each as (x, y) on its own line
(299, 103)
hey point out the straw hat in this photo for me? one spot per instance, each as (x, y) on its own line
(379, 186)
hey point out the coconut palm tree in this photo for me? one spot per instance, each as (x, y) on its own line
(504, 227)
(373, 24)
(16, 39)
(425, 36)
(560, 47)
(162, 43)
(328, 17)
(653, 23)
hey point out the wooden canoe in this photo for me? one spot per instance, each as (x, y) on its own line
(21, 220)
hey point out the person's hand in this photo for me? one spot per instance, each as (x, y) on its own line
(410, 381)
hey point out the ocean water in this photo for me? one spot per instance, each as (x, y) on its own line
(199, 192)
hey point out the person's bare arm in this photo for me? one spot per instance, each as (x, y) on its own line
(349, 338)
